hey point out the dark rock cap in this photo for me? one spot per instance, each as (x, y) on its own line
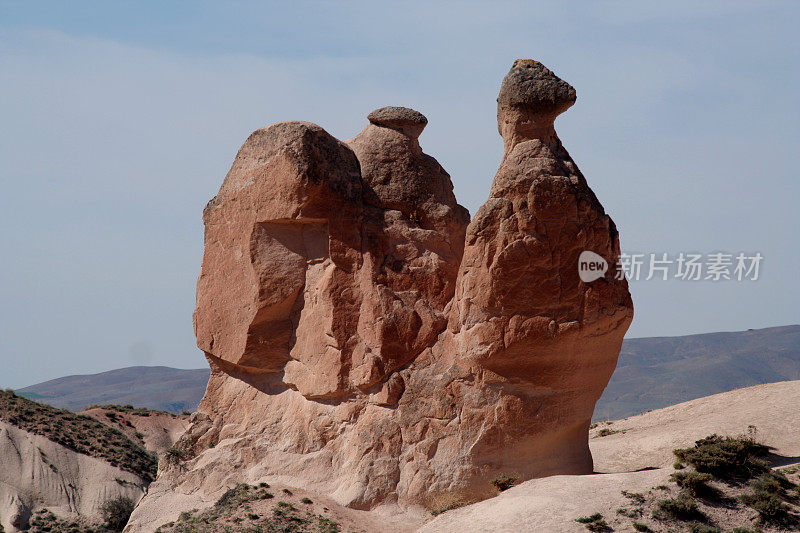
(530, 84)
(403, 119)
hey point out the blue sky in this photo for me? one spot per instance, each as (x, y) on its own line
(120, 119)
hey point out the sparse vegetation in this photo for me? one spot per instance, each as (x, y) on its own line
(694, 483)
(176, 454)
(727, 458)
(682, 508)
(44, 521)
(635, 497)
(504, 482)
(594, 522)
(442, 502)
(630, 513)
(639, 526)
(605, 432)
(243, 508)
(131, 410)
(767, 496)
(116, 512)
(80, 433)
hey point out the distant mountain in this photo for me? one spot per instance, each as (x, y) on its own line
(652, 373)
(659, 371)
(154, 387)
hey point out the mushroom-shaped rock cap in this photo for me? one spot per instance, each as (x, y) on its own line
(402, 119)
(531, 85)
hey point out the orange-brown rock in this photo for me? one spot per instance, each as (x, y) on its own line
(369, 342)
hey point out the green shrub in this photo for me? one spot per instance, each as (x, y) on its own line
(594, 522)
(176, 454)
(504, 482)
(600, 525)
(638, 526)
(589, 519)
(681, 508)
(694, 483)
(116, 512)
(769, 506)
(306, 500)
(726, 457)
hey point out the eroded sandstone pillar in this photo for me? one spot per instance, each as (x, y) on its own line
(369, 342)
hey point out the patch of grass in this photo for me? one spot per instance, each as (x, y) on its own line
(504, 482)
(116, 512)
(639, 526)
(682, 508)
(630, 513)
(728, 458)
(80, 433)
(694, 483)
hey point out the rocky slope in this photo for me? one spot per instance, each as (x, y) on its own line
(64, 462)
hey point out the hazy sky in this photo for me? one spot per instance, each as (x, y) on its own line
(118, 121)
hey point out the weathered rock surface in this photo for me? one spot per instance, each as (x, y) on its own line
(36, 473)
(369, 342)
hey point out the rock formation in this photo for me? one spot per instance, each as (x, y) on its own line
(368, 341)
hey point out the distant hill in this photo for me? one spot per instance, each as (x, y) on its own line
(659, 371)
(153, 387)
(652, 373)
